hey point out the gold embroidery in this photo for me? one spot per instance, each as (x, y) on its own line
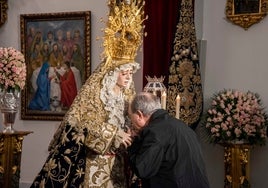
(184, 74)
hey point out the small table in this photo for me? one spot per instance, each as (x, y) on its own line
(10, 158)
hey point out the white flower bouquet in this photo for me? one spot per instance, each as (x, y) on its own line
(235, 115)
(12, 69)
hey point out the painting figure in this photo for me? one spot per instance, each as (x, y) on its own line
(50, 40)
(67, 85)
(36, 58)
(41, 99)
(30, 38)
(78, 60)
(45, 52)
(66, 53)
(60, 38)
(68, 41)
(38, 39)
(78, 39)
(77, 76)
(55, 91)
(55, 57)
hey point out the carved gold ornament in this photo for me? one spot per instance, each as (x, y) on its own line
(3, 11)
(245, 13)
(236, 165)
(124, 32)
(10, 157)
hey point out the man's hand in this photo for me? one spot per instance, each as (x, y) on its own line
(125, 138)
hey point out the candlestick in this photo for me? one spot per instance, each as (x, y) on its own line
(178, 103)
(163, 99)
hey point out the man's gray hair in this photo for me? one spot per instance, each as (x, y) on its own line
(145, 102)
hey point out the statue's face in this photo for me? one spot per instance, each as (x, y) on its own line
(124, 77)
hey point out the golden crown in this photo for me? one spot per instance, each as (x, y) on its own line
(124, 32)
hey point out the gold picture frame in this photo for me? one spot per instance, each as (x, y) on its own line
(245, 13)
(51, 39)
(3, 11)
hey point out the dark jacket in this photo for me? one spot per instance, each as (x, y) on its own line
(167, 154)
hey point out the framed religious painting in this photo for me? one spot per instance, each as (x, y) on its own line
(57, 55)
(245, 13)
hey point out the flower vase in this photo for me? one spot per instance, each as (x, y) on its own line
(9, 103)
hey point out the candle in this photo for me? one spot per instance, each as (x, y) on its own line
(178, 103)
(163, 99)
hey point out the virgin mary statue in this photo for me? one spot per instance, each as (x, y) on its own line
(88, 149)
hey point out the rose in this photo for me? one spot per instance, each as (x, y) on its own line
(12, 69)
(235, 115)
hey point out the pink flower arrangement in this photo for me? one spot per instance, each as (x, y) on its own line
(235, 115)
(12, 69)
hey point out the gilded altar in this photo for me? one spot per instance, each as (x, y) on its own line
(10, 158)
